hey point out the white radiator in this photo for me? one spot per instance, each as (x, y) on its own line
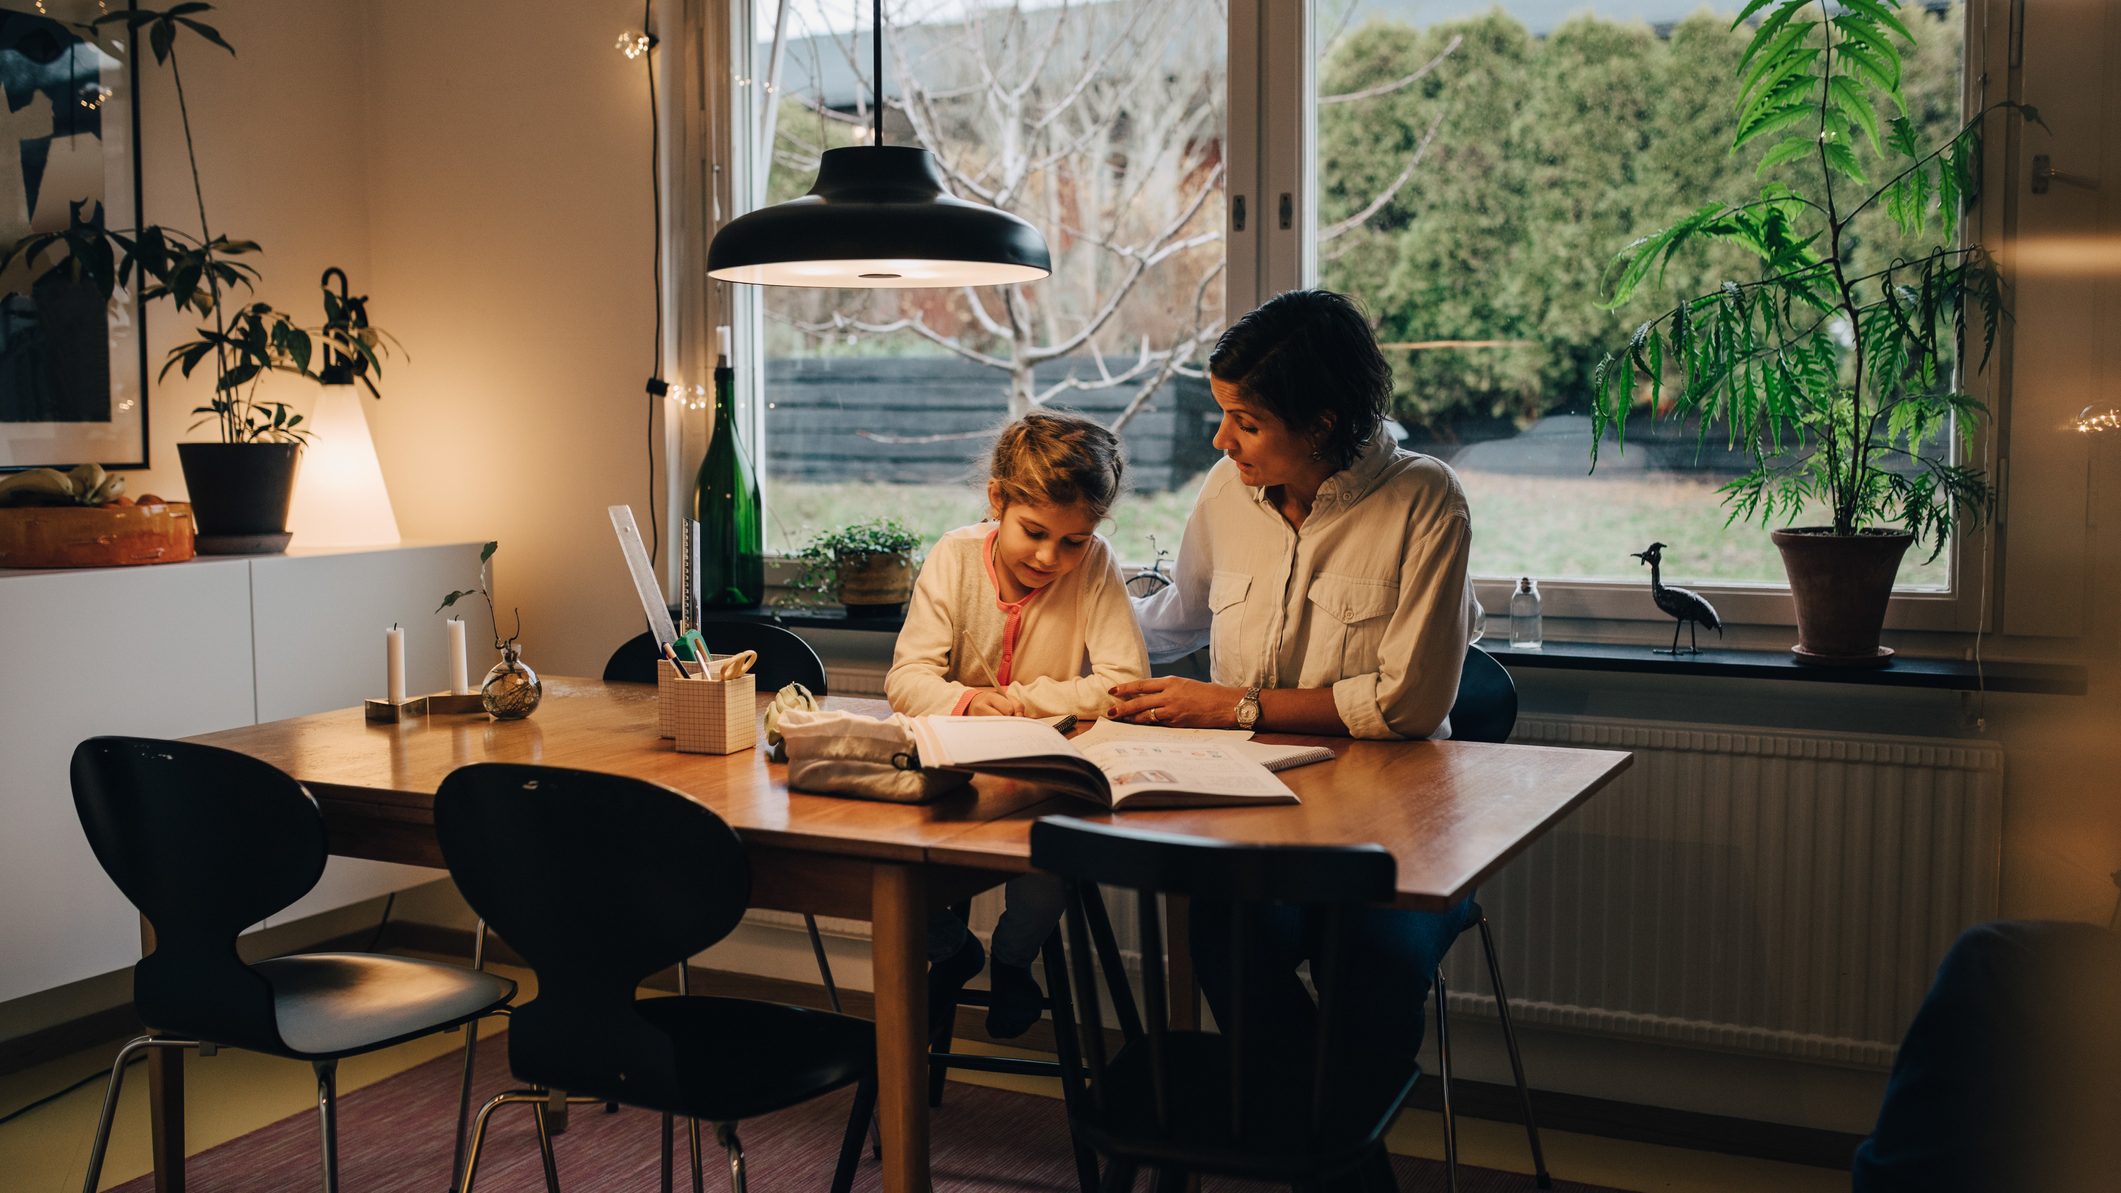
(1765, 890)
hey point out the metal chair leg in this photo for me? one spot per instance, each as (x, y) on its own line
(832, 995)
(471, 1054)
(692, 1125)
(110, 1102)
(861, 1114)
(1509, 1039)
(1443, 1072)
(669, 1182)
(552, 1170)
(327, 1120)
(725, 1133)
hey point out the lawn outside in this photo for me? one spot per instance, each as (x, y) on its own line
(1546, 527)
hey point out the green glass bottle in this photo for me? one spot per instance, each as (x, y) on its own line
(728, 522)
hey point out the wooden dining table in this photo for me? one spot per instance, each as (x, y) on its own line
(1450, 813)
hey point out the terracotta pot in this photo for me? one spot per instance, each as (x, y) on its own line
(1841, 583)
(875, 584)
(240, 488)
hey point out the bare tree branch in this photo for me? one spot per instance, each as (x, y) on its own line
(843, 323)
(1333, 230)
(1399, 84)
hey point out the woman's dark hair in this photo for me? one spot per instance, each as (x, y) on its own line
(1051, 458)
(1308, 356)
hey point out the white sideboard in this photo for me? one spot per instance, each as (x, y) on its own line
(170, 651)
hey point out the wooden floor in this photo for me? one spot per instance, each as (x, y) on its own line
(236, 1092)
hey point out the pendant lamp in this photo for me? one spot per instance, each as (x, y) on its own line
(878, 217)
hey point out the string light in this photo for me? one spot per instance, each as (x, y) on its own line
(93, 95)
(633, 45)
(2090, 421)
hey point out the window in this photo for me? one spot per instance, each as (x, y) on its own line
(1477, 166)
(1102, 124)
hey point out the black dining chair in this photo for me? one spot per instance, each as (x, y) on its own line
(598, 881)
(1485, 710)
(1252, 1102)
(784, 658)
(206, 842)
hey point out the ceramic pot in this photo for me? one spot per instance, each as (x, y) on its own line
(240, 488)
(1841, 583)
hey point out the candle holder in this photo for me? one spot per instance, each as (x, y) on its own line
(442, 704)
(385, 712)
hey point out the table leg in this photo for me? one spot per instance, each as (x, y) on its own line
(165, 1100)
(1178, 943)
(899, 944)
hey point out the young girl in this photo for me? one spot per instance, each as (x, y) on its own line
(1022, 615)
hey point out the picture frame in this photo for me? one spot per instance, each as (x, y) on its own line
(73, 366)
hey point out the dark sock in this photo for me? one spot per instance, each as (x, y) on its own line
(1015, 1001)
(947, 977)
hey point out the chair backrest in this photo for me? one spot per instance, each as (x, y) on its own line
(597, 881)
(784, 658)
(1486, 708)
(1260, 1082)
(205, 842)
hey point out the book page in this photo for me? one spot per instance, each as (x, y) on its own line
(1143, 768)
(965, 741)
(1238, 740)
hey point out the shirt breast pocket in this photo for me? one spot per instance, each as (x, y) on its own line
(1226, 603)
(1352, 613)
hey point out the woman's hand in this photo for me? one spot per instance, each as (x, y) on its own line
(1169, 700)
(986, 702)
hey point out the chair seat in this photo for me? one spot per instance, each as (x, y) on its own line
(1277, 1144)
(330, 1005)
(737, 1058)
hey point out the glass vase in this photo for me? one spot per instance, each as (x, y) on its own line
(511, 690)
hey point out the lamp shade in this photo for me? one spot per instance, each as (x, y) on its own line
(878, 217)
(340, 499)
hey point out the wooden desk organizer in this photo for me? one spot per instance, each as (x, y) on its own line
(710, 716)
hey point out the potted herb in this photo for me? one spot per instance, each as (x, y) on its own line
(241, 485)
(1835, 366)
(867, 566)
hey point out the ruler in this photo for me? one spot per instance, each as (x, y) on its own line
(644, 583)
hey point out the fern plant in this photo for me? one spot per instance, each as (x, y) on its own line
(1841, 380)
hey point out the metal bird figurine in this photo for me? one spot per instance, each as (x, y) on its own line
(1684, 604)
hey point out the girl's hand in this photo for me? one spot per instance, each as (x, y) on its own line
(1169, 700)
(986, 702)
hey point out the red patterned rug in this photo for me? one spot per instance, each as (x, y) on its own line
(394, 1138)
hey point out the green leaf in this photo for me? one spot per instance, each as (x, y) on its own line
(1771, 121)
(1849, 98)
(1784, 151)
(1842, 159)
(486, 552)
(206, 31)
(1769, 29)
(1878, 13)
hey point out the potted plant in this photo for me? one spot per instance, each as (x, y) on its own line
(1834, 366)
(868, 566)
(239, 486)
(511, 690)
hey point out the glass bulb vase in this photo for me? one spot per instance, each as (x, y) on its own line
(511, 690)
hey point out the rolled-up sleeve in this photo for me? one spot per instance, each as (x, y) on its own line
(1425, 642)
(918, 681)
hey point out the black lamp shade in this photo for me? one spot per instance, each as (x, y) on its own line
(878, 217)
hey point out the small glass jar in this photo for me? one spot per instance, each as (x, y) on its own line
(1525, 633)
(511, 690)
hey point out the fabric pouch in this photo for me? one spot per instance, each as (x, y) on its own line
(841, 753)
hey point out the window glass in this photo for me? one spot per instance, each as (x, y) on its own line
(1102, 125)
(1478, 165)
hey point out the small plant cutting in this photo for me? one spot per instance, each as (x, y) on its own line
(865, 565)
(1836, 365)
(511, 690)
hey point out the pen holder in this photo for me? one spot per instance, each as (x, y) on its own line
(713, 716)
(666, 701)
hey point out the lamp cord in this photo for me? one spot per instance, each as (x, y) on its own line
(656, 386)
(876, 68)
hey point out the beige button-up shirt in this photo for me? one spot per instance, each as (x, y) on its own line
(1369, 597)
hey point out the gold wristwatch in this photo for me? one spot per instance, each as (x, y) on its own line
(1248, 709)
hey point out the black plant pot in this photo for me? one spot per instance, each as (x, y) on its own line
(240, 493)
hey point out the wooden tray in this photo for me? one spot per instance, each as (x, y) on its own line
(60, 536)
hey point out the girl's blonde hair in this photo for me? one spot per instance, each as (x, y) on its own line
(1050, 458)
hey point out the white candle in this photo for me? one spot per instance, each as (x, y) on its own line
(459, 670)
(394, 658)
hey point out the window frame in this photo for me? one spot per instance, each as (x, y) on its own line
(1270, 156)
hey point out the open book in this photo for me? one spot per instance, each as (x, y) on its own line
(1118, 771)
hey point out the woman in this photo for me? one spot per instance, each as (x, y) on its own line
(1325, 569)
